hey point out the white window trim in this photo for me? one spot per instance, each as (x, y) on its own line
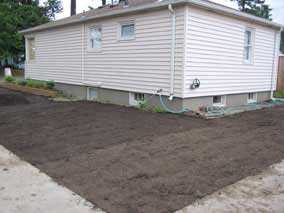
(251, 61)
(88, 94)
(254, 100)
(223, 101)
(132, 101)
(90, 49)
(27, 43)
(119, 38)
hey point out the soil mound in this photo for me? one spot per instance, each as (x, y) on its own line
(12, 99)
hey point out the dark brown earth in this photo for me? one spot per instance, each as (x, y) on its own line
(129, 161)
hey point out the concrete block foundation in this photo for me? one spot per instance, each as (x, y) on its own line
(123, 98)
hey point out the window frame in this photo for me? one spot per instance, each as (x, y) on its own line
(125, 23)
(223, 100)
(89, 98)
(133, 101)
(254, 100)
(90, 48)
(250, 46)
(28, 48)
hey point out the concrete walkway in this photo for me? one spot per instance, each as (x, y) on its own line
(261, 193)
(24, 189)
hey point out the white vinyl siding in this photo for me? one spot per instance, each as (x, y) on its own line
(141, 65)
(215, 55)
(58, 56)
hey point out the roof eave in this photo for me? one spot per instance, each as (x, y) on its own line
(202, 4)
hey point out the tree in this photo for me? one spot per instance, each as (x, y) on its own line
(17, 15)
(255, 7)
(52, 7)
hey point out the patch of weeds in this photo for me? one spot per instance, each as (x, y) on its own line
(21, 82)
(50, 84)
(9, 79)
(143, 105)
(35, 84)
(158, 109)
(279, 94)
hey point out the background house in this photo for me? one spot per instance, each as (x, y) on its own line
(123, 54)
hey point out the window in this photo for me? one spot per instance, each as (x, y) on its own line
(136, 98)
(31, 49)
(127, 31)
(139, 97)
(248, 48)
(92, 94)
(219, 100)
(95, 38)
(252, 97)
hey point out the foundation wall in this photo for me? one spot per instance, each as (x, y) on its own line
(123, 98)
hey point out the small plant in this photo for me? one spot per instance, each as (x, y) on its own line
(279, 94)
(21, 82)
(158, 109)
(35, 84)
(9, 79)
(50, 84)
(143, 105)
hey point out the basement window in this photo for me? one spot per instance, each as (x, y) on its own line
(92, 94)
(252, 97)
(219, 100)
(136, 98)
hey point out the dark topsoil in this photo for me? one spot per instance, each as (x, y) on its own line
(128, 161)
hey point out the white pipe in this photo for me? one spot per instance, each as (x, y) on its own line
(273, 65)
(83, 53)
(173, 47)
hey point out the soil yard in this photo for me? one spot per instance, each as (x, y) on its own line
(129, 161)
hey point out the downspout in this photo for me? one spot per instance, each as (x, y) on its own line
(83, 53)
(273, 66)
(173, 47)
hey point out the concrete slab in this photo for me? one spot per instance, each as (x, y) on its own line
(261, 193)
(24, 189)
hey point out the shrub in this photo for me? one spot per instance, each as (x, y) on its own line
(35, 84)
(50, 84)
(9, 79)
(21, 82)
(279, 94)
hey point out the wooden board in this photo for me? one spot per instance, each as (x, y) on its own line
(34, 91)
(280, 78)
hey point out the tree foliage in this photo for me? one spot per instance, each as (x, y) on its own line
(51, 7)
(255, 7)
(17, 15)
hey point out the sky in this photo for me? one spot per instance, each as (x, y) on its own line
(276, 5)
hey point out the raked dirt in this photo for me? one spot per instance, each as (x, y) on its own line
(260, 193)
(24, 189)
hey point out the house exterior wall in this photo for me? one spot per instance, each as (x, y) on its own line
(138, 65)
(58, 54)
(215, 52)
